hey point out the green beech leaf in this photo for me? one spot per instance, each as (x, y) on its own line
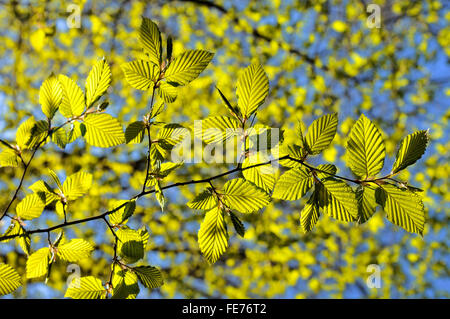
(411, 150)
(59, 137)
(24, 133)
(187, 67)
(140, 74)
(293, 184)
(149, 276)
(76, 185)
(233, 110)
(86, 288)
(8, 158)
(310, 214)
(237, 224)
(9, 279)
(205, 200)
(131, 244)
(150, 38)
(55, 178)
(294, 151)
(50, 96)
(320, 133)
(338, 200)
(75, 250)
(252, 89)
(326, 170)
(157, 108)
(134, 133)
(366, 202)
(168, 92)
(262, 176)
(103, 130)
(215, 129)
(365, 149)
(97, 82)
(73, 98)
(125, 284)
(37, 263)
(403, 207)
(243, 196)
(213, 235)
(121, 215)
(31, 206)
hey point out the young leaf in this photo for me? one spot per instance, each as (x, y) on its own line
(131, 244)
(103, 130)
(326, 170)
(187, 67)
(157, 108)
(125, 284)
(403, 207)
(215, 129)
(293, 184)
(140, 74)
(76, 185)
(75, 250)
(37, 263)
(31, 206)
(237, 224)
(168, 92)
(365, 149)
(321, 133)
(205, 200)
(310, 214)
(252, 89)
(169, 48)
(367, 204)
(149, 276)
(55, 178)
(295, 152)
(23, 133)
(243, 196)
(8, 158)
(262, 176)
(59, 137)
(50, 96)
(122, 214)
(9, 279)
(134, 133)
(411, 150)
(73, 98)
(97, 82)
(86, 288)
(234, 111)
(160, 195)
(150, 38)
(213, 235)
(338, 200)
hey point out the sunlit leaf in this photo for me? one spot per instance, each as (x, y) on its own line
(411, 150)
(403, 207)
(103, 130)
(97, 82)
(213, 235)
(321, 132)
(85, 288)
(9, 279)
(187, 67)
(243, 196)
(252, 89)
(365, 148)
(50, 96)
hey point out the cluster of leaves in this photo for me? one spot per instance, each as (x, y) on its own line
(330, 193)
